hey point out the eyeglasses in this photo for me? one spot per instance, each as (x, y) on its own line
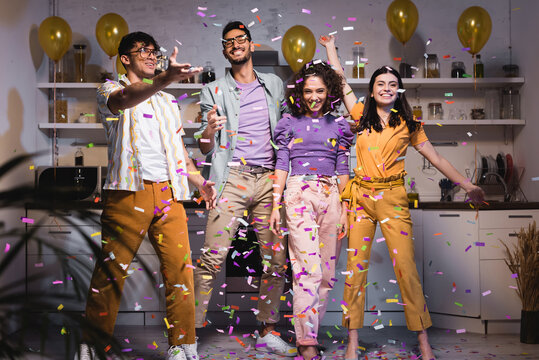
(240, 39)
(146, 52)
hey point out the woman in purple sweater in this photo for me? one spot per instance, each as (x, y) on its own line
(314, 146)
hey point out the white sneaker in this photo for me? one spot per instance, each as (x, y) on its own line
(176, 353)
(86, 352)
(274, 344)
(190, 350)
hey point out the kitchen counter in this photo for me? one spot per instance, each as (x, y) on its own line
(422, 205)
(457, 205)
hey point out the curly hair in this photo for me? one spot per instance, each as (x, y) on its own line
(370, 119)
(332, 80)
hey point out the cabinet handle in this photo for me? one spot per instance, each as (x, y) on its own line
(56, 215)
(513, 235)
(449, 215)
(520, 216)
(59, 232)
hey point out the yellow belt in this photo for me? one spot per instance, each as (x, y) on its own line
(351, 190)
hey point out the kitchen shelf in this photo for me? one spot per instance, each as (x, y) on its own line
(482, 122)
(67, 85)
(447, 82)
(93, 130)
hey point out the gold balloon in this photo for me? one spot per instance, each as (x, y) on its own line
(120, 68)
(109, 30)
(402, 18)
(473, 28)
(298, 46)
(54, 37)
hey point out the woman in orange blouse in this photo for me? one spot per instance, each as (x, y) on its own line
(385, 127)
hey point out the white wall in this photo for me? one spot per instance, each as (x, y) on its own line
(18, 133)
(173, 21)
(526, 52)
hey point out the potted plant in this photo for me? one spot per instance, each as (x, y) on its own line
(523, 260)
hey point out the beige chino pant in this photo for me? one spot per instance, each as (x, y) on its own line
(386, 204)
(123, 230)
(313, 209)
(251, 192)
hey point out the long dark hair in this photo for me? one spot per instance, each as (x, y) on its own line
(370, 119)
(294, 91)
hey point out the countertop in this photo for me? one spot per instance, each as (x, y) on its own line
(422, 205)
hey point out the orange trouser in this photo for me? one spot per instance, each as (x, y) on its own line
(384, 202)
(124, 226)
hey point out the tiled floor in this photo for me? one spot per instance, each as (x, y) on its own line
(389, 343)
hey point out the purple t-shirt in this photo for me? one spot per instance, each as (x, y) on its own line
(313, 146)
(254, 134)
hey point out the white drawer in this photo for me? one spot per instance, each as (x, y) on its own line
(507, 219)
(61, 218)
(493, 248)
(73, 240)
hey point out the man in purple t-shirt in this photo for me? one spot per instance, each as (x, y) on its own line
(239, 115)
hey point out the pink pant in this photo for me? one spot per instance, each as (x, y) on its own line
(313, 209)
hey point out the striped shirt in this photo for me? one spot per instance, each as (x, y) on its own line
(123, 133)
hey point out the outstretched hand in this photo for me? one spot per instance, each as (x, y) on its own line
(209, 194)
(326, 40)
(180, 71)
(476, 195)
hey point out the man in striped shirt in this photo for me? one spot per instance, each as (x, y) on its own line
(146, 183)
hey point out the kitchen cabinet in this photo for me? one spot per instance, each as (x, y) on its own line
(499, 300)
(451, 262)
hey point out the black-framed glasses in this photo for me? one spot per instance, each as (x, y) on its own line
(146, 52)
(240, 39)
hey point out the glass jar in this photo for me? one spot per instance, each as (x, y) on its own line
(61, 108)
(80, 62)
(492, 104)
(479, 69)
(432, 66)
(418, 112)
(477, 114)
(208, 73)
(510, 70)
(457, 69)
(358, 71)
(510, 108)
(436, 112)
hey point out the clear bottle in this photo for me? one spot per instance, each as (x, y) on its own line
(208, 73)
(358, 71)
(479, 70)
(80, 62)
(432, 66)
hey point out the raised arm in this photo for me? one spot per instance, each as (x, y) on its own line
(475, 193)
(328, 42)
(135, 93)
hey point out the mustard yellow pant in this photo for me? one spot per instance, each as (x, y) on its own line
(126, 217)
(387, 204)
